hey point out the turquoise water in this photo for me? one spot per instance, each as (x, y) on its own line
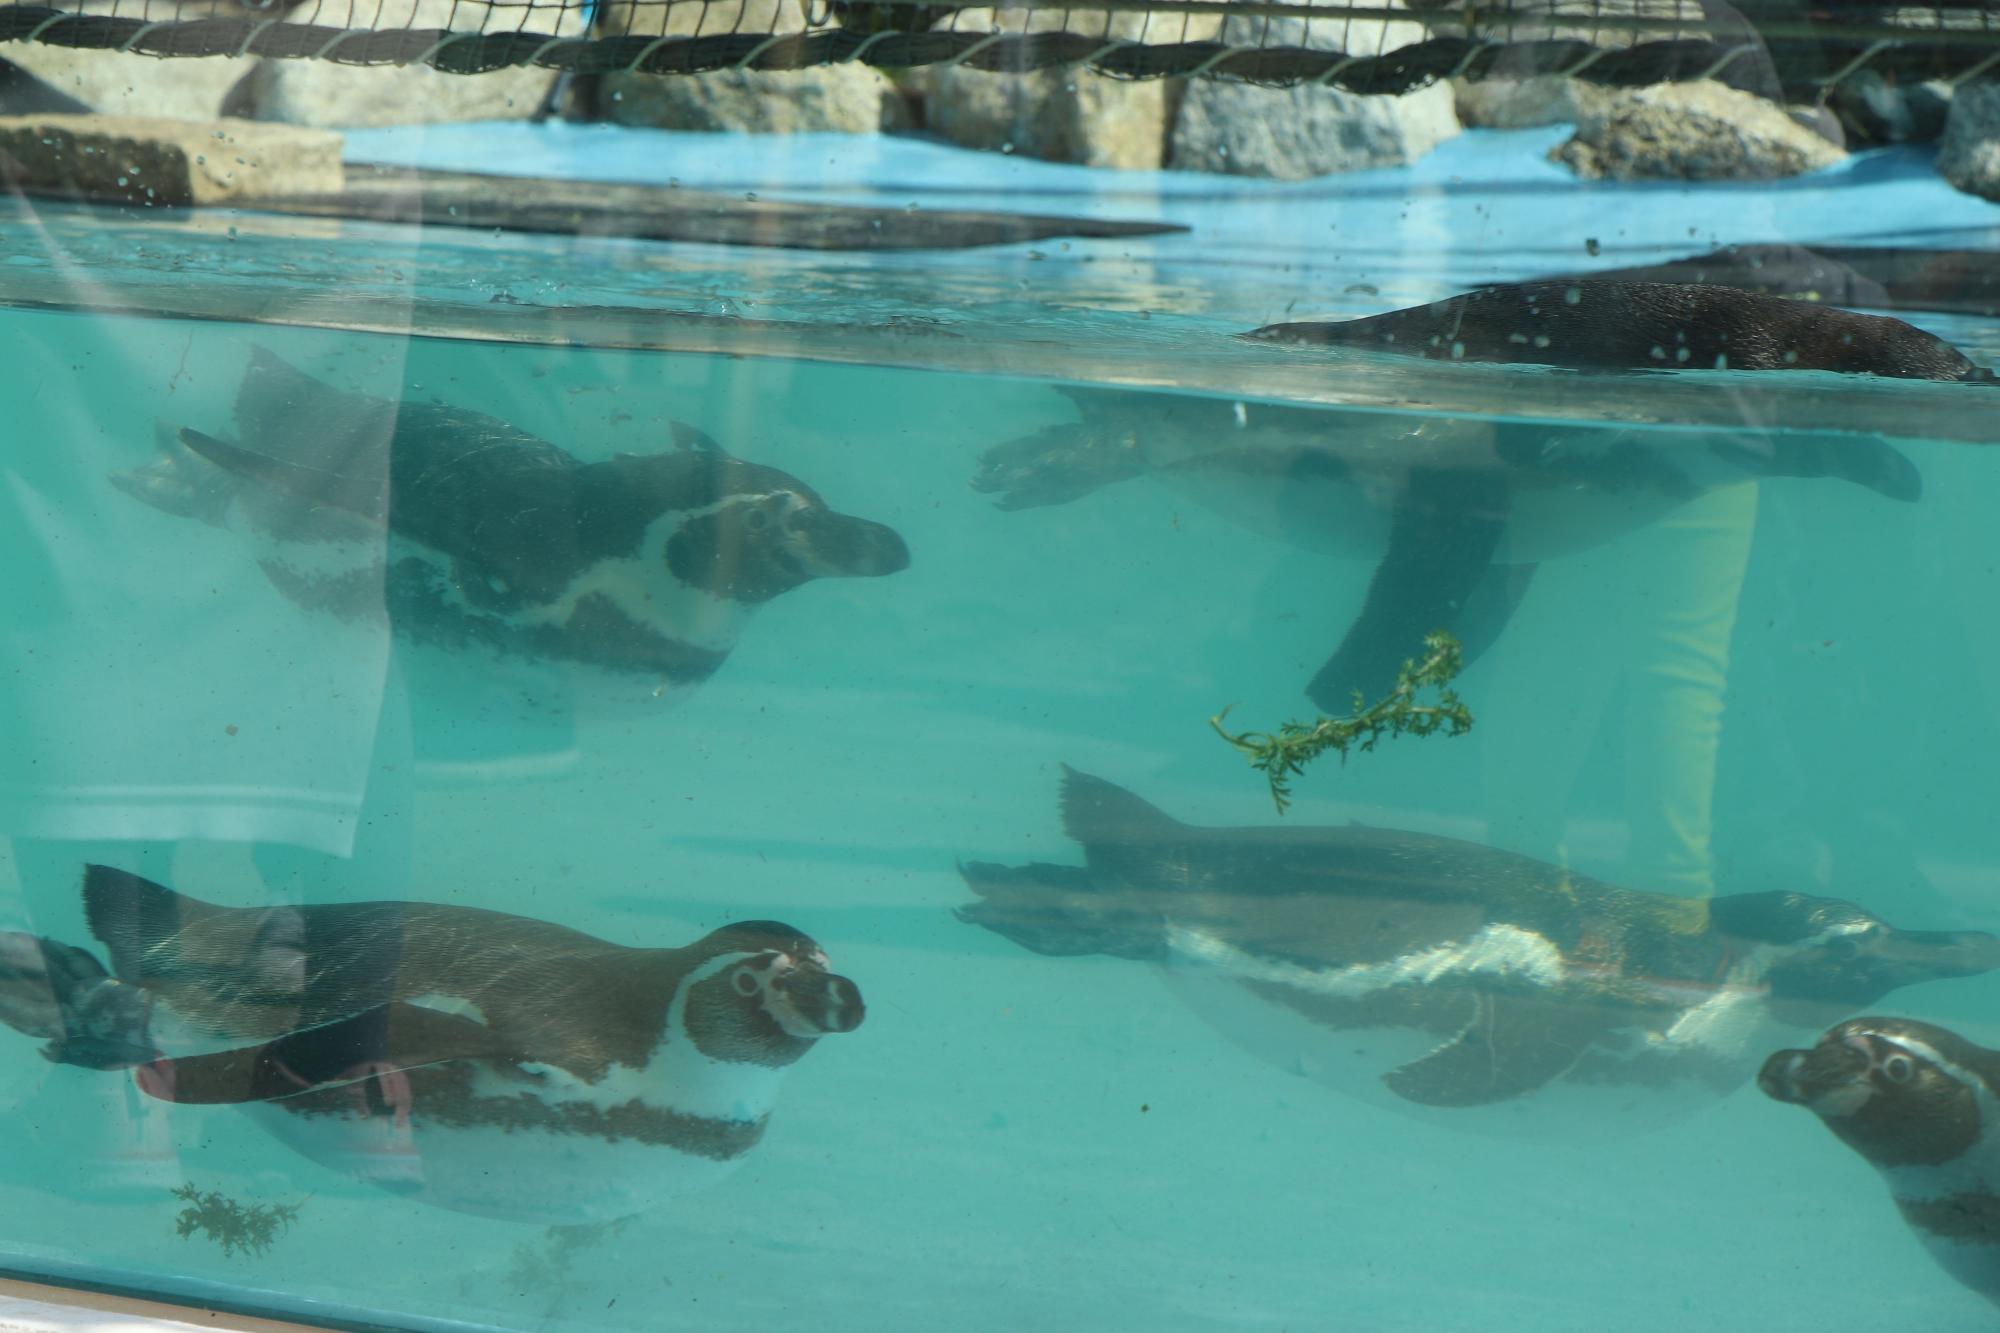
(1786, 685)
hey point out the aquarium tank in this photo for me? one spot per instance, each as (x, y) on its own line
(1150, 667)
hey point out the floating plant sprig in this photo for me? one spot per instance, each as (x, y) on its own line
(232, 1225)
(1284, 754)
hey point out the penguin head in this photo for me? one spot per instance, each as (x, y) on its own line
(764, 994)
(1900, 1093)
(1832, 957)
(769, 533)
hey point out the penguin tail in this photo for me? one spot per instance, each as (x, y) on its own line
(135, 919)
(1060, 911)
(177, 482)
(64, 995)
(1103, 816)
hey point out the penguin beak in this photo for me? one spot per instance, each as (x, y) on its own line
(1825, 1079)
(1906, 957)
(827, 545)
(810, 1002)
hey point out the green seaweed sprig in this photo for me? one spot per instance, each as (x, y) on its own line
(1284, 754)
(232, 1225)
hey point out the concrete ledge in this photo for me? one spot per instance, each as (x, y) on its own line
(165, 163)
(29, 1307)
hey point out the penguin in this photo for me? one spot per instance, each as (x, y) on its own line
(1457, 514)
(1921, 1104)
(1609, 324)
(1471, 986)
(483, 1062)
(471, 534)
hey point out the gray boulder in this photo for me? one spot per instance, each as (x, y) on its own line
(1519, 104)
(1878, 110)
(321, 92)
(1061, 115)
(1969, 156)
(1693, 131)
(852, 99)
(1292, 133)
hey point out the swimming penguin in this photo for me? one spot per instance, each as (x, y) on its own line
(484, 1062)
(1483, 989)
(1922, 1106)
(1600, 324)
(472, 533)
(1456, 513)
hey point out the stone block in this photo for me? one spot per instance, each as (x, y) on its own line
(169, 163)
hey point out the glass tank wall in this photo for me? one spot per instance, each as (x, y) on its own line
(558, 781)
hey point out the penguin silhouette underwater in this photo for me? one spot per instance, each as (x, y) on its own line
(472, 534)
(1478, 988)
(483, 1062)
(1456, 514)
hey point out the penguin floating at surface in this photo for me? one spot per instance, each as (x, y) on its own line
(1486, 990)
(1609, 324)
(1921, 1104)
(474, 534)
(484, 1062)
(1456, 514)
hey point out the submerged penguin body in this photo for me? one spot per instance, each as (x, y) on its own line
(473, 536)
(480, 1061)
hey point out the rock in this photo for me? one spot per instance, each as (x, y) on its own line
(649, 18)
(1519, 104)
(1692, 131)
(321, 92)
(848, 98)
(170, 163)
(1309, 130)
(1969, 157)
(318, 92)
(1292, 133)
(1877, 110)
(1061, 115)
(120, 84)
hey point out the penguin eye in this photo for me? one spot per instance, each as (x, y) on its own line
(744, 981)
(1898, 1068)
(757, 520)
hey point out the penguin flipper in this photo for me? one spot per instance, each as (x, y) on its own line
(1513, 1046)
(692, 439)
(1446, 526)
(177, 482)
(388, 1039)
(57, 991)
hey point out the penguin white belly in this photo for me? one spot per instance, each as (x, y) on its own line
(526, 655)
(558, 1152)
(1951, 1210)
(510, 1174)
(1657, 1080)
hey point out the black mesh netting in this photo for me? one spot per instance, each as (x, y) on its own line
(1803, 47)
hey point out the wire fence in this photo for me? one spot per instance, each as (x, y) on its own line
(1806, 48)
